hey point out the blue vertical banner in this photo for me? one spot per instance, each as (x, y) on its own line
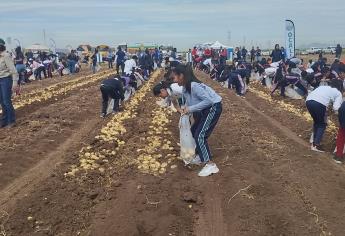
(290, 39)
(230, 55)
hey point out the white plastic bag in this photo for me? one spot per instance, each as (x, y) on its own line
(128, 93)
(292, 93)
(268, 82)
(187, 141)
(110, 106)
(98, 68)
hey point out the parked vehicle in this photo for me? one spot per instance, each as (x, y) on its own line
(330, 50)
(314, 50)
(265, 53)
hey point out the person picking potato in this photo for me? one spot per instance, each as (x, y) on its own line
(111, 88)
(206, 106)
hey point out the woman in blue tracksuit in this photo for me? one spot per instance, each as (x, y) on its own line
(205, 105)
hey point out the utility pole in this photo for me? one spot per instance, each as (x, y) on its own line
(229, 38)
(44, 37)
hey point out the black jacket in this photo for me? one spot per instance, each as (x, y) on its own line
(276, 55)
(116, 86)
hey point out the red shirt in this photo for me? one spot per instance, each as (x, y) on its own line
(224, 53)
(207, 52)
(194, 52)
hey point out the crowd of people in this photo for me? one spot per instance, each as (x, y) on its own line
(319, 82)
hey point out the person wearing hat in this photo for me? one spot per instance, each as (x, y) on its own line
(8, 81)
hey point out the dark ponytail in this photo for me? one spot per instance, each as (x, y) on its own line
(161, 85)
(187, 72)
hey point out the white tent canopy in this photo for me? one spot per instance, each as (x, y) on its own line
(37, 47)
(218, 45)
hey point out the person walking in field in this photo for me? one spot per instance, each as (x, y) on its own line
(258, 54)
(338, 51)
(244, 53)
(110, 59)
(206, 106)
(120, 60)
(94, 61)
(8, 82)
(252, 55)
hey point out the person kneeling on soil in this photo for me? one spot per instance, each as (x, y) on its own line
(339, 155)
(205, 105)
(111, 88)
(317, 103)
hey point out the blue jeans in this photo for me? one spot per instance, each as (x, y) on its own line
(318, 113)
(71, 66)
(8, 115)
(21, 72)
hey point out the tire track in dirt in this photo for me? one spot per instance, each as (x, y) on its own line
(21, 186)
(68, 203)
(39, 133)
(211, 217)
(293, 110)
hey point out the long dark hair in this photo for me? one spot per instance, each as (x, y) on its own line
(2, 48)
(161, 85)
(19, 53)
(188, 75)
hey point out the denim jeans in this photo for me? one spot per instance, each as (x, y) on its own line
(318, 113)
(8, 115)
(71, 66)
(21, 72)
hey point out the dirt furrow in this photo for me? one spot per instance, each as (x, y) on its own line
(289, 185)
(41, 132)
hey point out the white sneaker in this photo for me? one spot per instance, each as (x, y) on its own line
(195, 161)
(208, 170)
(315, 149)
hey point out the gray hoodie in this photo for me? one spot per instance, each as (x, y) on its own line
(201, 97)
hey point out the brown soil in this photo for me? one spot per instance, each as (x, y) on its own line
(269, 182)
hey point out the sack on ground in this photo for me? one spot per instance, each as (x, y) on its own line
(292, 93)
(187, 141)
(98, 67)
(127, 94)
(110, 106)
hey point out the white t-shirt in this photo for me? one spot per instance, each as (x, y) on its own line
(189, 57)
(208, 62)
(325, 95)
(275, 64)
(129, 64)
(174, 92)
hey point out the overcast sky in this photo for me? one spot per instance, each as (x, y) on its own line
(179, 22)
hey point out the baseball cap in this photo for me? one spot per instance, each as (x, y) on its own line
(2, 42)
